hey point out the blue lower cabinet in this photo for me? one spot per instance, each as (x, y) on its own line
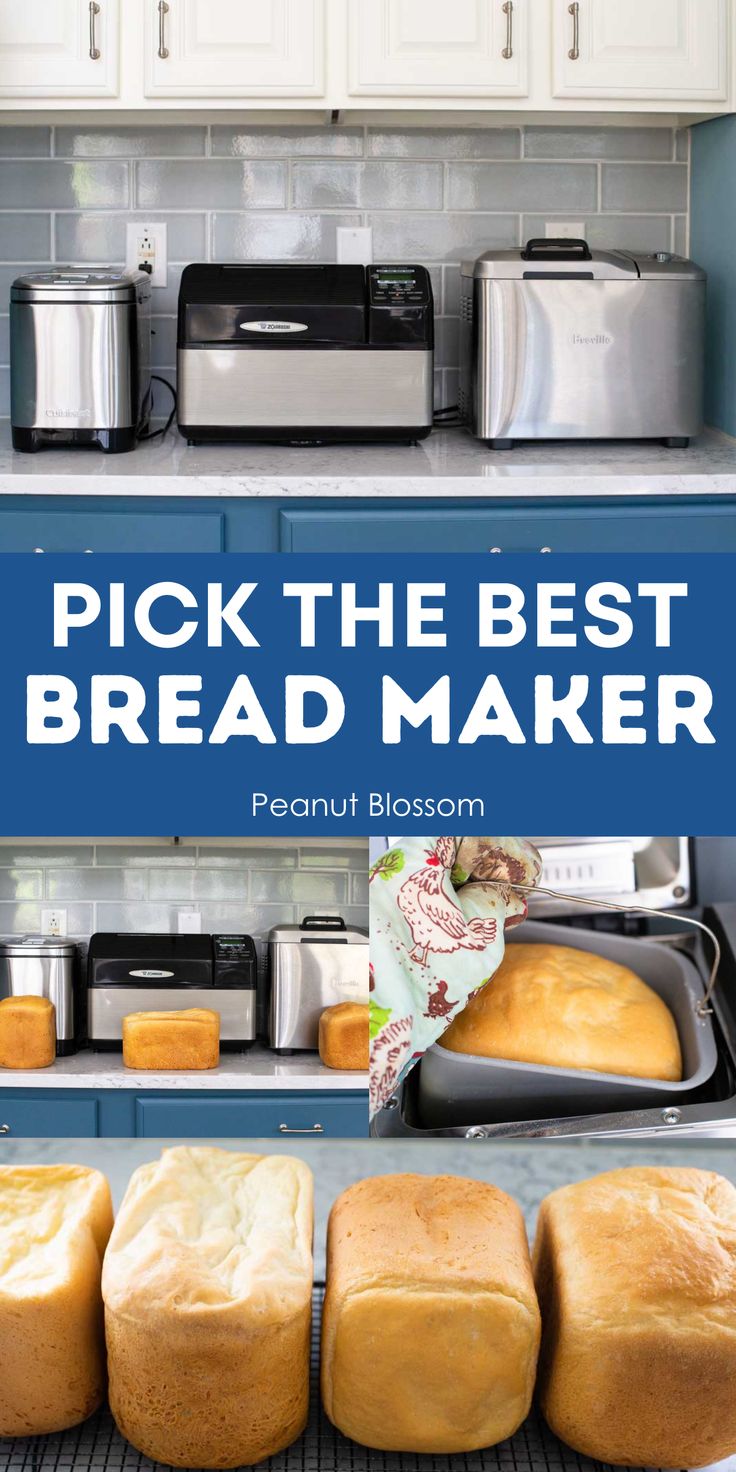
(257, 1116)
(52, 1115)
(192, 1115)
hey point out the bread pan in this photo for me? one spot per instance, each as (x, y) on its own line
(459, 1088)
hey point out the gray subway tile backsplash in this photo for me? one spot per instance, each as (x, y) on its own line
(141, 886)
(276, 191)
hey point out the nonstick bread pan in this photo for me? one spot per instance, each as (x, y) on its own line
(460, 1088)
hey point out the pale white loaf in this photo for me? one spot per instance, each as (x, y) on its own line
(207, 1286)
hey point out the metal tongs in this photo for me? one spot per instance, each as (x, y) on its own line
(703, 1008)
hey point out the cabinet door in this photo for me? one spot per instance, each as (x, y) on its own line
(103, 531)
(432, 48)
(648, 49)
(235, 48)
(253, 1116)
(49, 1115)
(661, 528)
(59, 48)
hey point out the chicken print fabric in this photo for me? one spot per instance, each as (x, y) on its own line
(440, 908)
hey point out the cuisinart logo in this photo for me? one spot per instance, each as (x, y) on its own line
(591, 340)
(150, 975)
(68, 413)
(274, 326)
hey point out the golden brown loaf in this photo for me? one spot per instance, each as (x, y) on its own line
(431, 1326)
(27, 1032)
(172, 1040)
(54, 1224)
(343, 1035)
(207, 1286)
(567, 1008)
(636, 1273)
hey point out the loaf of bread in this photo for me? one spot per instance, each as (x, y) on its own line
(343, 1035)
(54, 1224)
(636, 1273)
(162, 1041)
(431, 1328)
(27, 1032)
(568, 1008)
(207, 1286)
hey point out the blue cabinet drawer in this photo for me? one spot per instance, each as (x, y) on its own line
(253, 1116)
(663, 527)
(54, 1117)
(110, 531)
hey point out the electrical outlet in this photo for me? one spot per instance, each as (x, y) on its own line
(53, 921)
(355, 245)
(565, 230)
(189, 922)
(146, 248)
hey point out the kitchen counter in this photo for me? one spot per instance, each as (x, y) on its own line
(449, 464)
(258, 1069)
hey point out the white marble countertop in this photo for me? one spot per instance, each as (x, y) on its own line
(257, 1069)
(449, 464)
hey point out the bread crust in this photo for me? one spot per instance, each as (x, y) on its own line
(564, 1007)
(343, 1035)
(55, 1221)
(430, 1328)
(636, 1275)
(166, 1041)
(27, 1032)
(207, 1287)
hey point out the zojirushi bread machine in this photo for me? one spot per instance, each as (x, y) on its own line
(166, 973)
(305, 354)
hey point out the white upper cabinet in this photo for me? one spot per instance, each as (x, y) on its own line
(437, 48)
(235, 48)
(641, 49)
(59, 48)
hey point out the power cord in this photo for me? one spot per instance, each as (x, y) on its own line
(155, 434)
(448, 418)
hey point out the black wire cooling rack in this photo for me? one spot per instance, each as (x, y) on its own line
(97, 1446)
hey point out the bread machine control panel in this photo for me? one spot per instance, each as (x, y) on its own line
(400, 306)
(236, 960)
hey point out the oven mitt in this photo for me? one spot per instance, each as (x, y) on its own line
(437, 936)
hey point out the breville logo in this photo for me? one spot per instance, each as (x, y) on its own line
(274, 326)
(591, 340)
(67, 413)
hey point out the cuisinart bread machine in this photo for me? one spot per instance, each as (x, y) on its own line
(314, 965)
(305, 353)
(560, 342)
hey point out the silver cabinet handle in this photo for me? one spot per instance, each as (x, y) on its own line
(315, 1129)
(574, 11)
(163, 11)
(43, 549)
(94, 10)
(508, 10)
(4, 1129)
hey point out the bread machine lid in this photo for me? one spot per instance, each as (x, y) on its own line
(15, 946)
(319, 930)
(262, 306)
(90, 284)
(557, 259)
(654, 872)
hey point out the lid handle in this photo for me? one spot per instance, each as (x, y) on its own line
(560, 249)
(322, 922)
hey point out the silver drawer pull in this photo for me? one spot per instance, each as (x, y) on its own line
(4, 1129)
(94, 10)
(508, 10)
(574, 11)
(163, 11)
(43, 549)
(315, 1129)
